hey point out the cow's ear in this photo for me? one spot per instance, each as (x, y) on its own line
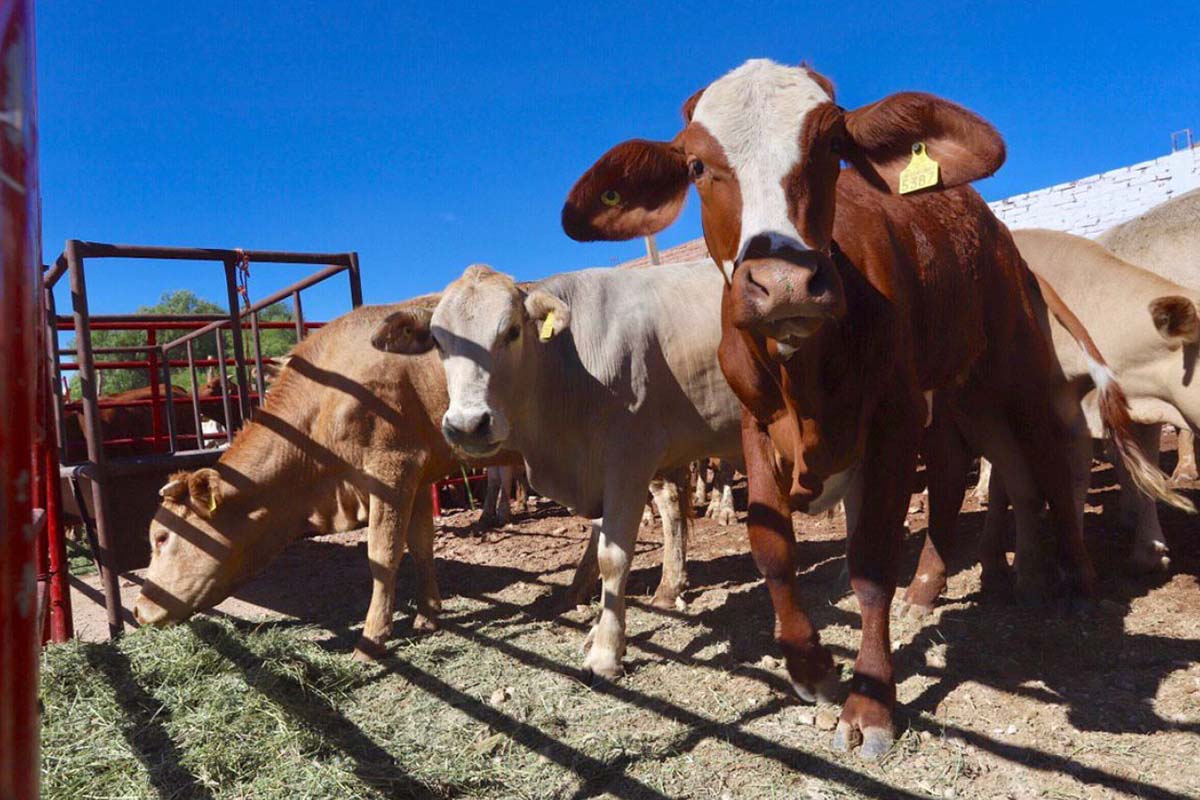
(175, 489)
(887, 136)
(1176, 319)
(635, 189)
(204, 486)
(405, 332)
(548, 313)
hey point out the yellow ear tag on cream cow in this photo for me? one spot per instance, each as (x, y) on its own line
(921, 172)
(547, 330)
(212, 503)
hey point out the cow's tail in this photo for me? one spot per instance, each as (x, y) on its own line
(1114, 408)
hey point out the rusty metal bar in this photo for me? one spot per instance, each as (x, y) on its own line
(292, 290)
(355, 281)
(258, 358)
(239, 350)
(173, 322)
(94, 438)
(195, 393)
(51, 355)
(298, 316)
(224, 380)
(152, 379)
(105, 250)
(169, 405)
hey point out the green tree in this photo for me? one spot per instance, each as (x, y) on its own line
(182, 301)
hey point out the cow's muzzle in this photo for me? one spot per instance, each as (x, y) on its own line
(786, 295)
(477, 433)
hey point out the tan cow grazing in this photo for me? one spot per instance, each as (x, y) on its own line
(600, 379)
(1166, 241)
(346, 437)
(837, 328)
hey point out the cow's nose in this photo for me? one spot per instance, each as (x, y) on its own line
(459, 425)
(785, 283)
(137, 613)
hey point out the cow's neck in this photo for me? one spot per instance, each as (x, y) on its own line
(264, 480)
(552, 408)
(829, 387)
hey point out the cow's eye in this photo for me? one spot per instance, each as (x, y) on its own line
(512, 334)
(695, 169)
(160, 538)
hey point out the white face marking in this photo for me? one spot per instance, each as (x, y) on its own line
(756, 113)
(469, 324)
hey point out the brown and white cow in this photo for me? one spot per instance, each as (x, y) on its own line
(845, 306)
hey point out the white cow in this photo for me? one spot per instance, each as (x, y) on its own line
(600, 379)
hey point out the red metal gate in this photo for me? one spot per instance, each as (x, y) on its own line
(20, 267)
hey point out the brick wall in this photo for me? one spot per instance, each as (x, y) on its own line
(1089, 206)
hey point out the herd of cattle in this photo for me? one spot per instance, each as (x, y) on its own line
(844, 327)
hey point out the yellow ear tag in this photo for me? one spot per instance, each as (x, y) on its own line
(547, 330)
(212, 503)
(921, 172)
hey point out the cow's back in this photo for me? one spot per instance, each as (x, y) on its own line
(1164, 240)
(352, 410)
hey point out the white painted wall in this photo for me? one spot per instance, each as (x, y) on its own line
(1089, 206)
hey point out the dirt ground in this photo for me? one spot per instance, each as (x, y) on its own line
(995, 701)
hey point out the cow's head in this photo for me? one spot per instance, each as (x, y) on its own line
(195, 557)
(764, 146)
(486, 330)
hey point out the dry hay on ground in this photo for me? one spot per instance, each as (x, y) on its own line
(996, 701)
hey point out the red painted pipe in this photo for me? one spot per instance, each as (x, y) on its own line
(20, 266)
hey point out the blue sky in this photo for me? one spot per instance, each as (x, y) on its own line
(430, 136)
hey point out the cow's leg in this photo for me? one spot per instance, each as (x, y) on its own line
(985, 478)
(948, 461)
(388, 520)
(773, 545)
(995, 577)
(1150, 551)
(587, 573)
(1185, 468)
(487, 519)
(623, 496)
(420, 544)
(521, 489)
(670, 496)
(725, 513)
(872, 552)
(700, 497)
(1052, 461)
(504, 501)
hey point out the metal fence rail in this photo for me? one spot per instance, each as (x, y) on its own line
(102, 470)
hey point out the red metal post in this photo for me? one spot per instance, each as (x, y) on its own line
(155, 395)
(20, 264)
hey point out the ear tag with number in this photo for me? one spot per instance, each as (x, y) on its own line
(547, 330)
(921, 172)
